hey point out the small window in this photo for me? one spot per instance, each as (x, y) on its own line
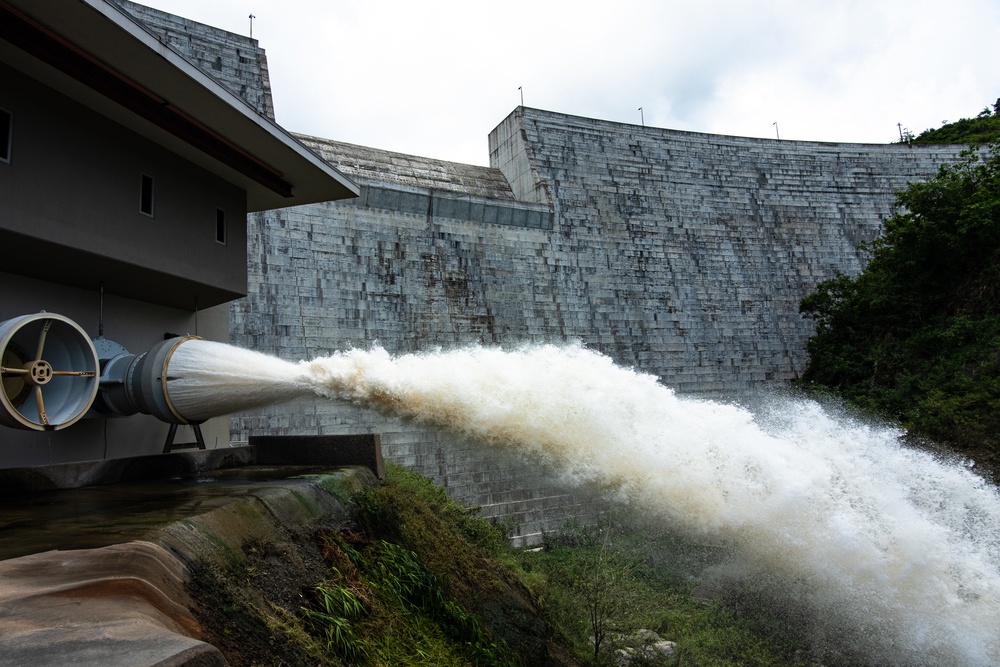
(6, 134)
(220, 226)
(146, 195)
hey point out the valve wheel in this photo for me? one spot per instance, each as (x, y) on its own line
(55, 386)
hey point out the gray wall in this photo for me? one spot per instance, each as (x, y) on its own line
(687, 254)
(684, 255)
(235, 61)
(73, 184)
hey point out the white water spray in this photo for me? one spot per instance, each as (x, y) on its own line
(899, 547)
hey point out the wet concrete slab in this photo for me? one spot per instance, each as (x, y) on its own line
(96, 576)
(99, 516)
(119, 605)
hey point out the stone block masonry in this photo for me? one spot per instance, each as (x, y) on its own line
(235, 61)
(683, 255)
(686, 254)
(421, 259)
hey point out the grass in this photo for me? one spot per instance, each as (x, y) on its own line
(418, 579)
(631, 577)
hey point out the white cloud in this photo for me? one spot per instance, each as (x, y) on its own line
(434, 78)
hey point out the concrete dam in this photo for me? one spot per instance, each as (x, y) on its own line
(683, 255)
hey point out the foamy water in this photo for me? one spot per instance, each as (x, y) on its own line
(898, 548)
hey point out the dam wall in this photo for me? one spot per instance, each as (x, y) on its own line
(684, 255)
(235, 61)
(431, 254)
(687, 254)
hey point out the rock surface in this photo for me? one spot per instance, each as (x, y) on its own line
(643, 647)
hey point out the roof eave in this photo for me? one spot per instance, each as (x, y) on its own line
(114, 65)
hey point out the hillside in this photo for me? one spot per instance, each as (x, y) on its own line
(418, 579)
(983, 129)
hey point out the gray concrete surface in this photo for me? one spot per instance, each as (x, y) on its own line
(126, 603)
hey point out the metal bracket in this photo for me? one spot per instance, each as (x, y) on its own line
(169, 445)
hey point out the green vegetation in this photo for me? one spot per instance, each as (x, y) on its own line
(983, 129)
(606, 585)
(916, 336)
(386, 608)
(418, 579)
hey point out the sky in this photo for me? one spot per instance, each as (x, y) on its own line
(433, 78)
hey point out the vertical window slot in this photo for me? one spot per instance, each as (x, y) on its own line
(220, 226)
(6, 134)
(146, 195)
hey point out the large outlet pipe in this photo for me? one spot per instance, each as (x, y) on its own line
(52, 376)
(138, 383)
(49, 372)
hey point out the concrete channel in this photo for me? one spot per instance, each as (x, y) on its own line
(97, 575)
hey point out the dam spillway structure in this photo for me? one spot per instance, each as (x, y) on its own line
(679, 253)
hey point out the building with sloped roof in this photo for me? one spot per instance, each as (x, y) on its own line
(126, 175)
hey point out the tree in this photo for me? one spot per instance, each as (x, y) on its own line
(916, 335)
(984, 128)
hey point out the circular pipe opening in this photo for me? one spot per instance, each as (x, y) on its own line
(49, 371)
